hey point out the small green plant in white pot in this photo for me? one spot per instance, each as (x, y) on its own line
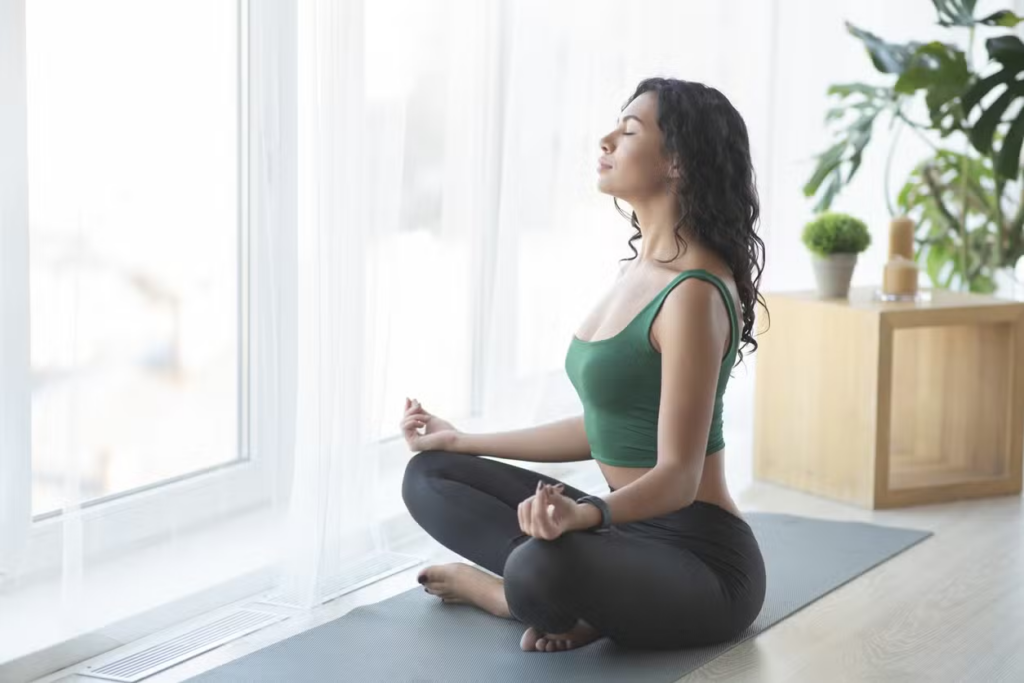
(835, 240)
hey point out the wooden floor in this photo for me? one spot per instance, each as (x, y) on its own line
(949, 609)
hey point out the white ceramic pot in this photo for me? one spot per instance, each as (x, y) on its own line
(834, 273)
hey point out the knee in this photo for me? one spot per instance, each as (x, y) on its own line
(421, 466)
(537, 570)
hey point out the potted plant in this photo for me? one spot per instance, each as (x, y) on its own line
(834, 240)
(966, 197)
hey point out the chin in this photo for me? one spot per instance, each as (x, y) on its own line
(603, 189)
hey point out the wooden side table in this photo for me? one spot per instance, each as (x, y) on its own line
(887, 405)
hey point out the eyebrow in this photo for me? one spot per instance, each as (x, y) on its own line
(630, 116)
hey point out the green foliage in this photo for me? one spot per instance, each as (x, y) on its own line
(939, 70)
(968, 206)
(836, 233)
(961, 13)
(979, 231)
(1009, 52)
(865, 102)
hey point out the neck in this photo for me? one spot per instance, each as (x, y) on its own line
(658, 218)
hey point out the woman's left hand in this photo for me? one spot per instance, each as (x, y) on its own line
(548, 514)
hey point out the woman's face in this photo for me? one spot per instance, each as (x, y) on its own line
(631, 165)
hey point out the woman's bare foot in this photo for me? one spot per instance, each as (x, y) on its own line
(459, 582)
(578, 636)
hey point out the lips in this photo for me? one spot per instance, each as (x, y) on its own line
(603, 164)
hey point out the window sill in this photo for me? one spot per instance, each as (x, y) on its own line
(133, 596)
(151, 590)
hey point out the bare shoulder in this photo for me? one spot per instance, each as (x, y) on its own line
(697, 302)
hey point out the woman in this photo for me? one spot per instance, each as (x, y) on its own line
(666, 560)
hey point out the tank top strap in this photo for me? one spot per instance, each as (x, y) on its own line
(700, 274)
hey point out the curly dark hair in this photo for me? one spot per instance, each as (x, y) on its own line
(717, 191)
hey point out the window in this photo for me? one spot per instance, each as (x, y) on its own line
(139, 265)
(134, 225)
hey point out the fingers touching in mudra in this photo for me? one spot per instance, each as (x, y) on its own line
(548, 514)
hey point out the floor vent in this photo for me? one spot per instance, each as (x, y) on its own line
(367, 570)
(164, 654)
(149, 658)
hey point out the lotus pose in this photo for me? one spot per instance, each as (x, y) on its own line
(665, 559)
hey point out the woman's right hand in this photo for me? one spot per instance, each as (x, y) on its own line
(438, 434)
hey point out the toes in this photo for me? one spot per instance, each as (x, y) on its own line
(548, 643)
(529, 639)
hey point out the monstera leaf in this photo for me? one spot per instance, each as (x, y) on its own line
(938, 68)
(889, 58)
(1008, 52)
(941, 71)
(865, 103)
(961, 13)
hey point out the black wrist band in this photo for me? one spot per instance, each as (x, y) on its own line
(600, 504)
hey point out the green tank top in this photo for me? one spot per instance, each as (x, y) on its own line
(618, 381)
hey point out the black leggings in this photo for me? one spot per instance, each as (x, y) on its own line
(689, 578)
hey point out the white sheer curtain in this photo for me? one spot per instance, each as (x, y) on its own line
(449, 237)
(418, 218)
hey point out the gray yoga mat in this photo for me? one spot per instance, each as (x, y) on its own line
(413, 636)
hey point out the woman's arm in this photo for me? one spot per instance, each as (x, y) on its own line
(560, 441)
